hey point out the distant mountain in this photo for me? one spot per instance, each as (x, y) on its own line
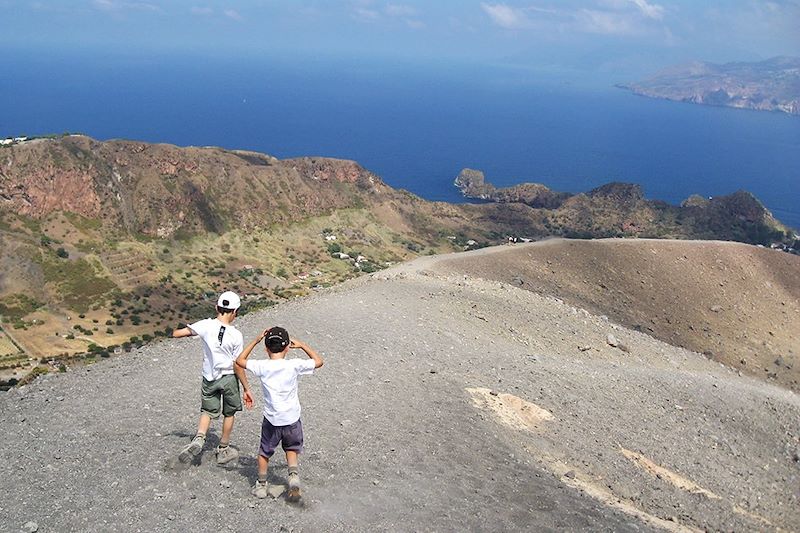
(771, 85)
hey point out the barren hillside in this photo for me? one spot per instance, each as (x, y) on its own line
(737, 304)
(447, 403)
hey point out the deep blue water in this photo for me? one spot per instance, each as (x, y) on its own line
(415, 126)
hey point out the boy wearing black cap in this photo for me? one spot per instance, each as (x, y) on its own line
(222, 344)
(281, 422)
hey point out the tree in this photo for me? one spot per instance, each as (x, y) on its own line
(62, 253)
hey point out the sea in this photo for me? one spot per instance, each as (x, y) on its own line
(415, 124)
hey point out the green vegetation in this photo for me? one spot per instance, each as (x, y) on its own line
(35, 373)
(82, 223)
(16, 306)
(78, 283)
(34, 226)
(88, 246)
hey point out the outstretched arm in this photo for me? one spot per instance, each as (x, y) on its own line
(311, 352)
(183, 332)
(240, 366)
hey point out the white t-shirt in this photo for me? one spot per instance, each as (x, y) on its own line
(222, 344)
(279, 385)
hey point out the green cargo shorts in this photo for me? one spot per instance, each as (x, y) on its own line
(224, 391)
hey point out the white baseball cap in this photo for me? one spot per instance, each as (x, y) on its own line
(229, 300)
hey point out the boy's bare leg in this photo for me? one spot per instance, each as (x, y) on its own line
(202, 426)
(263, 465)
(227, 427)
(291, 459)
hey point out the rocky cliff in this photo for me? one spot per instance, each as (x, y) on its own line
(620, 209)
(473, 184)
(164, 191)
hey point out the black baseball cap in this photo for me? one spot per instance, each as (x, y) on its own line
(277, 339)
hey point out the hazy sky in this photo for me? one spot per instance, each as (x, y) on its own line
(590, 35)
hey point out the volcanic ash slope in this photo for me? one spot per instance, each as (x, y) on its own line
(446, 403)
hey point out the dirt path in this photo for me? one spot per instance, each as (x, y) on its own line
(408, 426)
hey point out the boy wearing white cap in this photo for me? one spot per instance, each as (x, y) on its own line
(222, 344)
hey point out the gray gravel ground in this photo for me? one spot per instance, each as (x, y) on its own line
(394, 441)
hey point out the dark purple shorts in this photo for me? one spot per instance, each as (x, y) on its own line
(291, 438)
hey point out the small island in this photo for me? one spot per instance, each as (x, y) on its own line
(770, 85)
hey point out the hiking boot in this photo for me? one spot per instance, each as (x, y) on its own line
(226, 454)
(260, 490)
(293, 494)
(192, 449)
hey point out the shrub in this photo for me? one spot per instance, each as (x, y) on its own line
(368, 267)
